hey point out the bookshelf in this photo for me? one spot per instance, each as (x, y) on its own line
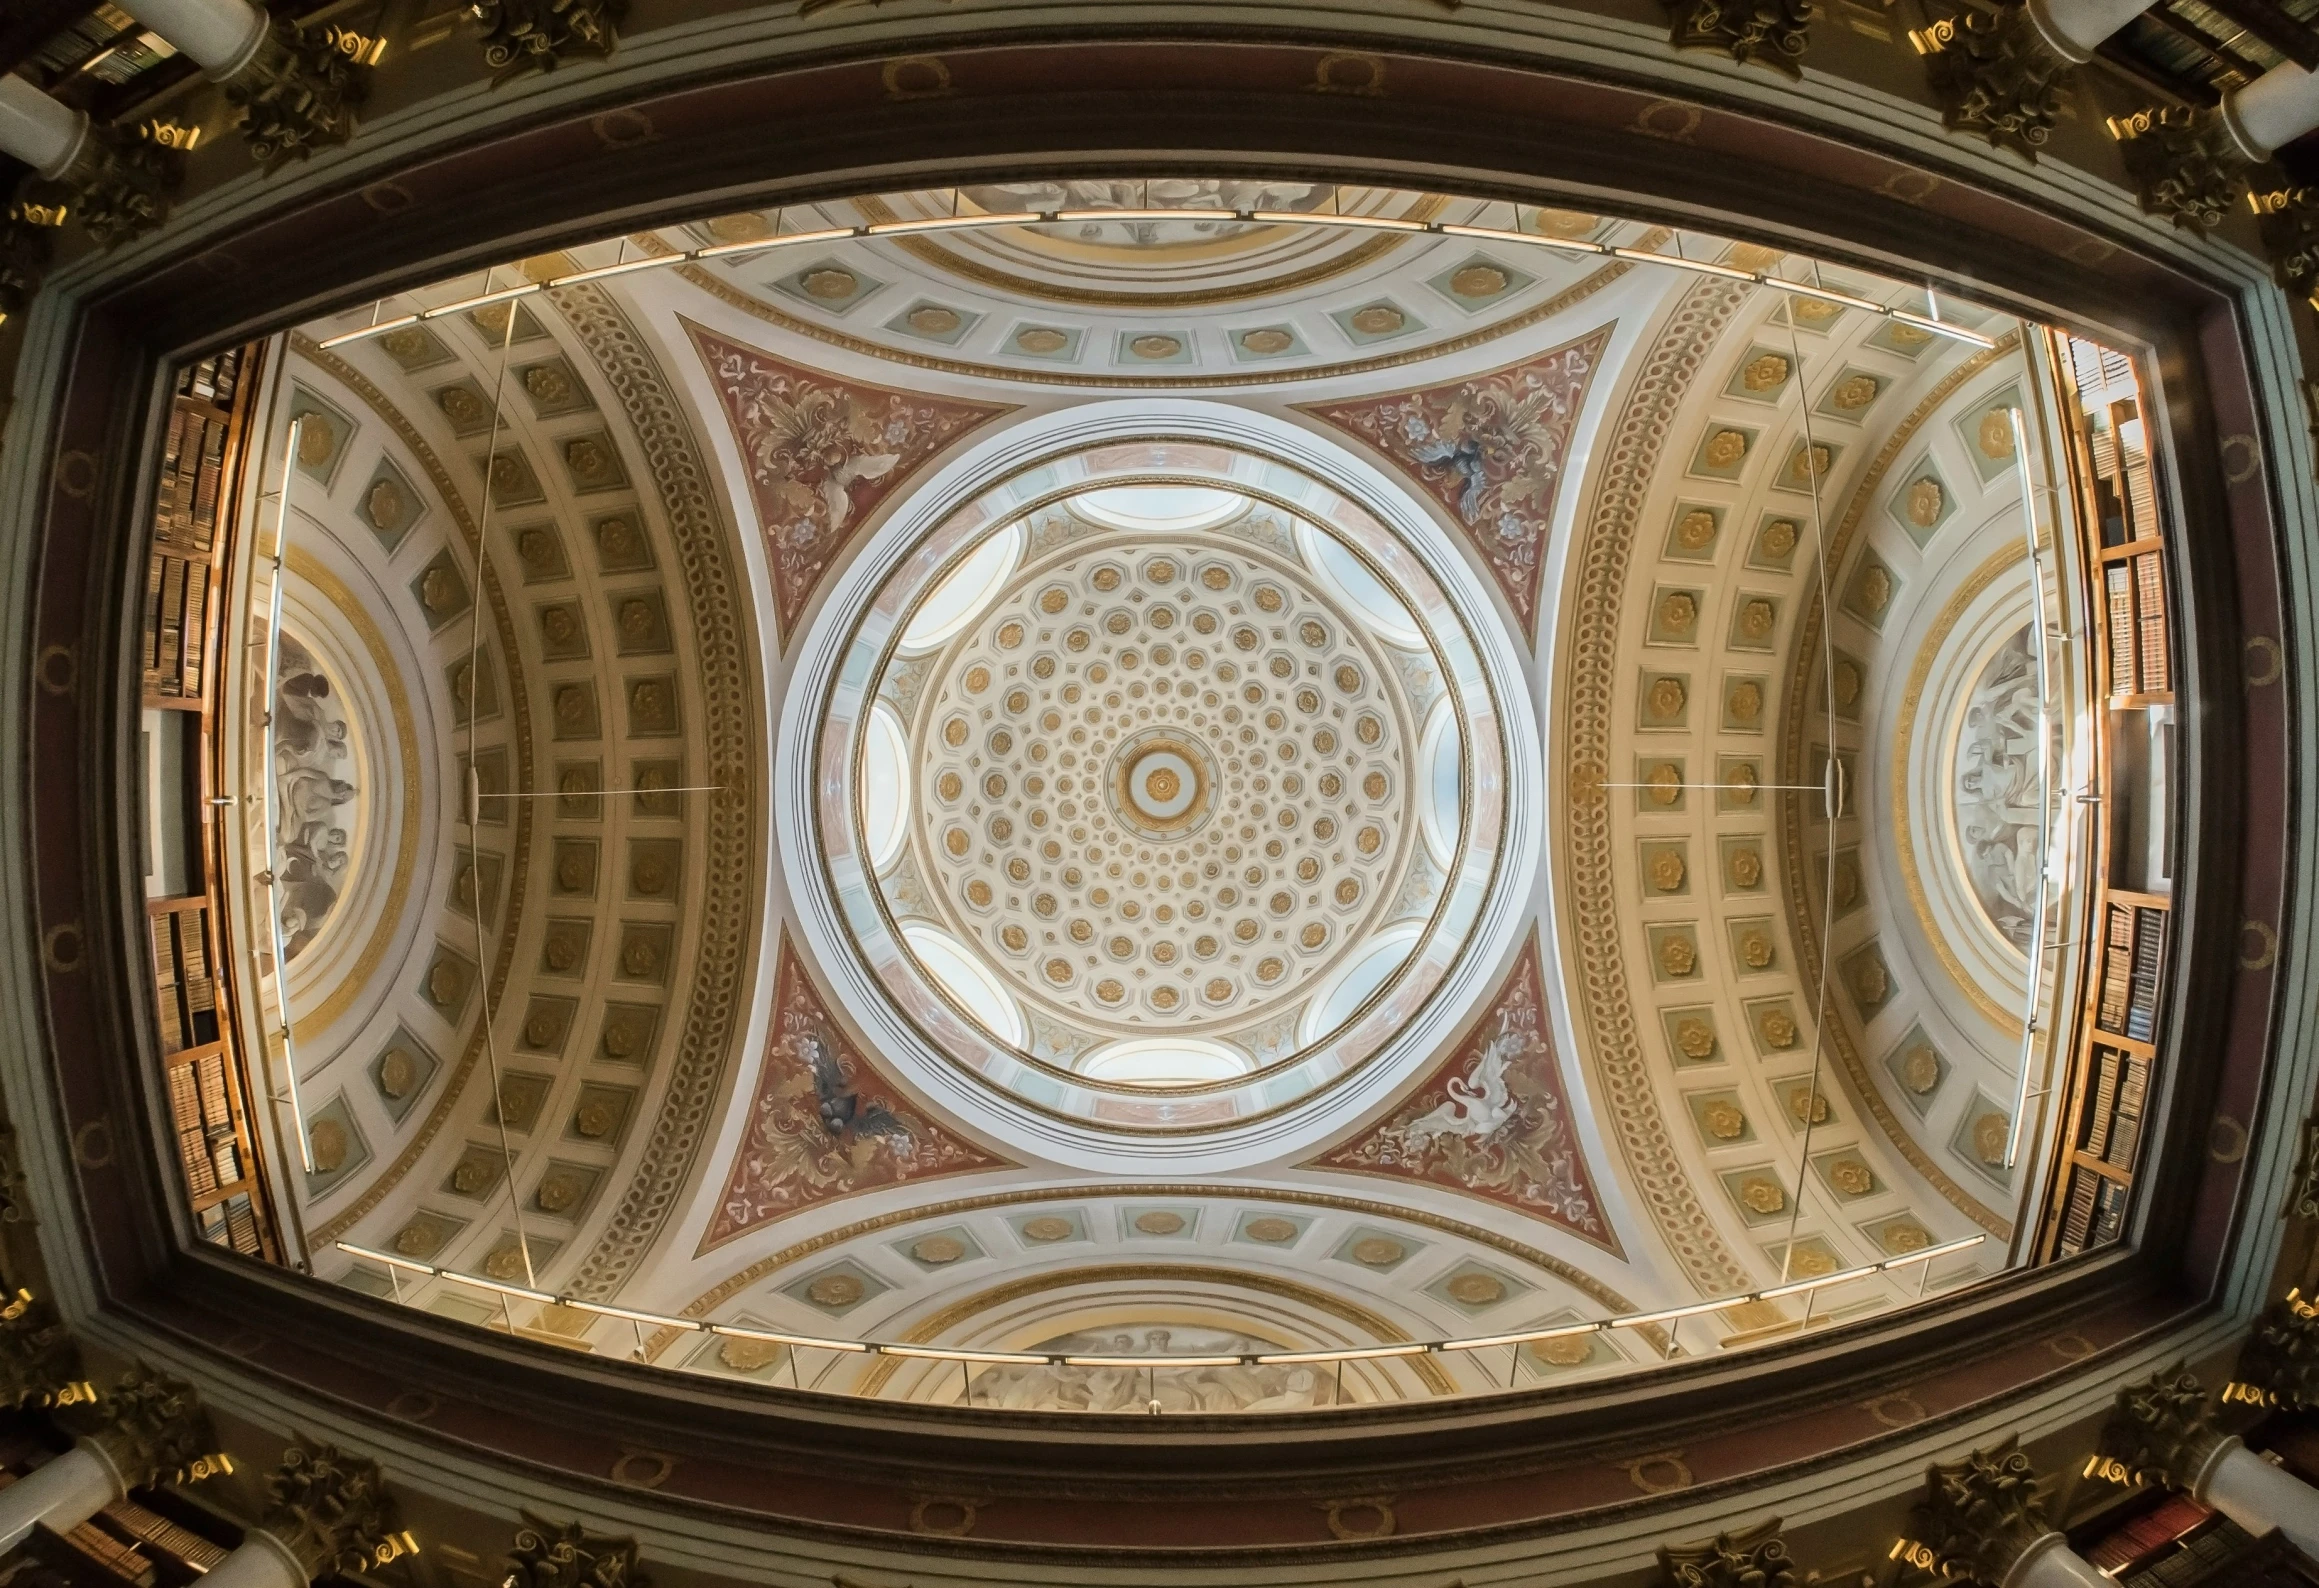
(205, 1081)
(2112, 1074)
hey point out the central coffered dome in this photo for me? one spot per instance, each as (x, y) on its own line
(1173, 787)
(1163, 782)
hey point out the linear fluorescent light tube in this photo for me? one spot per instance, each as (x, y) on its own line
(1635, 1320)
(1525, 1337)
(951, 223)
(389, 1258)
(517, 1291)
(380, 329)
(1646, 257)
(1150, 1361)
(631, 1315)
(1943, 328)
(1796, 1287)
(648, 262)
(1569, 245)
(1146, 215)
(480, 300)
(768, 1337)
(933, 1353)
(1825, 295)
(1965, 1243)
(1375, 223)
(827, 234)
(1363, 1354)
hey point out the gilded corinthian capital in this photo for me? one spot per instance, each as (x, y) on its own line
(1755, 1557)
(2281, 1356)
(2189, 168)
(331, 1509)
(566, 1555)
(1774, 33)
(299, 91)
(1981, 1514)
(1996, 76)
(2159, 1429)
(152, 1426)
(37, 1356)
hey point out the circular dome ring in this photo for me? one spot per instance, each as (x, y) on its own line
(1284, 1104)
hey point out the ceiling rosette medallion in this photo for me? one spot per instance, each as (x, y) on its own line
(825, 1123)
(1490, 450)
(1493, 1120)
(822, 454)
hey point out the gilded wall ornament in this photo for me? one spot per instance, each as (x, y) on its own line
(1996, 77)
(300, 92)
(566, 1555)
(118, 186)
(1773, 32)
(539, 35)
(151, 1425)
(2189, 168)
(330, 1509)
(1979, 1515)
(38, 1357)
(2281, 1356)
(569, 1556)
(27, 244)
(2289, 220)
(1754, 1557)
(2159, 1430)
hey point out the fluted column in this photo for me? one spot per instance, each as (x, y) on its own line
(1984, 1518)
(2074, 29)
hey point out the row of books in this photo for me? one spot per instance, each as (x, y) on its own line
(187, 991)
(192, 478)
(214, 379)
(176, 619)
(2144, 1534)
(2112, 1124)
(212, 1162)
(2134, 596)
(2095, 1214)
(197, 1094)
(2133, 948)
(232, 1223)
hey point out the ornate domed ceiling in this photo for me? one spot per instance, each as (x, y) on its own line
(1150, 807)
(1048, 768)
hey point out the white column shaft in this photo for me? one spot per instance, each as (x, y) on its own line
(36, 129)
(2252, 1493)
(2276, 108)
(2051, 1563)
(63, 1493)
(2075, 27)
(221, 35)
(260, 1562)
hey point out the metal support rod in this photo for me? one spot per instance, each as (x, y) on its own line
(273, 800)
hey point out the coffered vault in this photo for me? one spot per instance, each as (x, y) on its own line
(1239, 774)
